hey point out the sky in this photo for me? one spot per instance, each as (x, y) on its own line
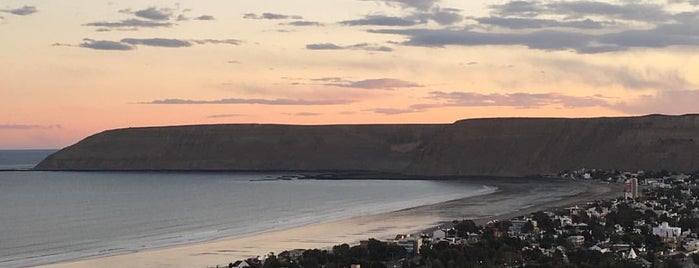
(70, 69)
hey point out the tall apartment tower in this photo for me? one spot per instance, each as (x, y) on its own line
(631, 188)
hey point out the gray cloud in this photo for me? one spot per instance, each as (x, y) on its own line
(518, 8)
(205, 17)
(360, 46)
(517, 100)
(304, 23)
(270, 16)
(323, 46)
(444, 16)
(547, 40)
(633, 25)
(154, 13)
(667, 102)
(381, 20)
(27, 127)
(130, 23)
(416, 4)
(382, 83)
(105, 45)
(252, 101)
(217, 41)
(658, 37)
(131, 43)
(157, 42)
(691, 2)
(628, 11)
(532, 23)
(22, 11)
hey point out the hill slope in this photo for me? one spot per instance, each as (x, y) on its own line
(499, 147)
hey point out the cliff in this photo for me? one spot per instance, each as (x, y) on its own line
(494, 147)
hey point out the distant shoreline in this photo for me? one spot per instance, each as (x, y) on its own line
(307, 175)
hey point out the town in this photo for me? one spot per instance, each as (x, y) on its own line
(654, 223)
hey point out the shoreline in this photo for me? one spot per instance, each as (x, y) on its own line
(381, 226)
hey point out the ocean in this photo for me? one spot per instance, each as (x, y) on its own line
(48, 217)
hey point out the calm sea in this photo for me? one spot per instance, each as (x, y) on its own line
(47, 217)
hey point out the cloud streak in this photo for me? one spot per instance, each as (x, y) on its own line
(302, 23)
(413, 4)
(393, 111)
(27, 127)
(381, 20)
(270, 16)
(360, 46)
(22, 11)
(603, 76)
(382, 83)
(131, 43)
(305, 114)
(130, 23)
(157, 42)
(667, 102)
(289, 102)
(105, 45)
(517, 100)
(216, 116)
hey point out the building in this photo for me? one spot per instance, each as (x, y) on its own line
(239, 264)
(412, 246)
(631, 188)
(439, 234)
(577, 240)
(665, 231)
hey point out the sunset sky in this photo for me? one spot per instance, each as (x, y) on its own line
(69, 69)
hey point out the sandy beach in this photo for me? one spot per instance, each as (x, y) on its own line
(514, 197)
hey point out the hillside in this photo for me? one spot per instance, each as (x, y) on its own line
(474, 147)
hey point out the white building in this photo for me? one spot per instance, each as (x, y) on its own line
(239, 264)
(439, 234)
(665, 231)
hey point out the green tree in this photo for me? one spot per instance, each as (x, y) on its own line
(527, 227)
(465, 227)
(271, 261)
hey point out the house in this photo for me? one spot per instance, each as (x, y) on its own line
(239, 264)
(439, 234)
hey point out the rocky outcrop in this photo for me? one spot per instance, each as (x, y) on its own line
(474, 147)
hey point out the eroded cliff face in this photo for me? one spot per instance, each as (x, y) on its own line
(492, 147)
(517, 147)
(389, 148)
